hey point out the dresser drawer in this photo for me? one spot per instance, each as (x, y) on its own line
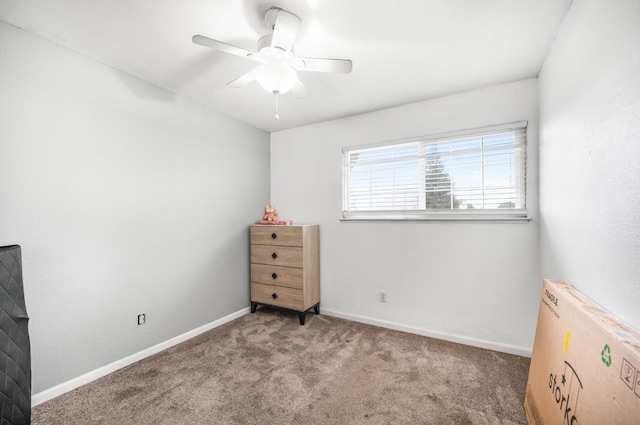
(277, 255)
(277, 275)
(284, 297)
(276, 235)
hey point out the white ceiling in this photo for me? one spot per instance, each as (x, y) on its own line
(402, 51)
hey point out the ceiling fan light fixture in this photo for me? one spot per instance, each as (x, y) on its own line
(276, 78)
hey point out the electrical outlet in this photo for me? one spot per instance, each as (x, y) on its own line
(142, 319)
(383, 296)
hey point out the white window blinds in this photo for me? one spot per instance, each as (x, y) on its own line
(474, 174)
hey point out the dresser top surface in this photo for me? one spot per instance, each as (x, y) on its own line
(279, 226)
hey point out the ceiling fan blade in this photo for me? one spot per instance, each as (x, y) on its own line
(219, 45)
(341, 66)
(285, 30)
(299, 89)
(243, 80)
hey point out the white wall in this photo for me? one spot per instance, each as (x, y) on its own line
(125, 200)
(475, 282)
(590, 155)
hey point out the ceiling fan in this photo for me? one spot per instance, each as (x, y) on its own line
(278, 64)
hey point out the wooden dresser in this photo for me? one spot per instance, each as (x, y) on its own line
(285, 268)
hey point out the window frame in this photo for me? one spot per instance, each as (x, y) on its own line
(511, 215)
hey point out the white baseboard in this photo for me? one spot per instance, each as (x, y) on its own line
(74, 383)
(474, 342)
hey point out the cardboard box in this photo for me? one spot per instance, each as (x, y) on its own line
(585, 367)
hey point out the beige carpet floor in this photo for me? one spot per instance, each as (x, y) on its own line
(265, 368)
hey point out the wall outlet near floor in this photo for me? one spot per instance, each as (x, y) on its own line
(383, 296)
(142, 319)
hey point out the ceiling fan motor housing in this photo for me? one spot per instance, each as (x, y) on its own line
(265, 42)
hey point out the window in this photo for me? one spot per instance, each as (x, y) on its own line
(477, 174)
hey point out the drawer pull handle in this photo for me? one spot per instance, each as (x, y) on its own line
(273, 236)
(274, 275)
(274, 295)
(274, 255)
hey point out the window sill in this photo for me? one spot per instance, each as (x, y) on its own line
(452, 218)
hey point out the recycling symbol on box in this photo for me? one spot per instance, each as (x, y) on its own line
(606, 355)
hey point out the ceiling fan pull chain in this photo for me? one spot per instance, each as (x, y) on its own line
(276, 92)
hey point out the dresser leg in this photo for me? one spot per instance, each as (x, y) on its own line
(253, 307)
(316, 308)
(301, 316)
